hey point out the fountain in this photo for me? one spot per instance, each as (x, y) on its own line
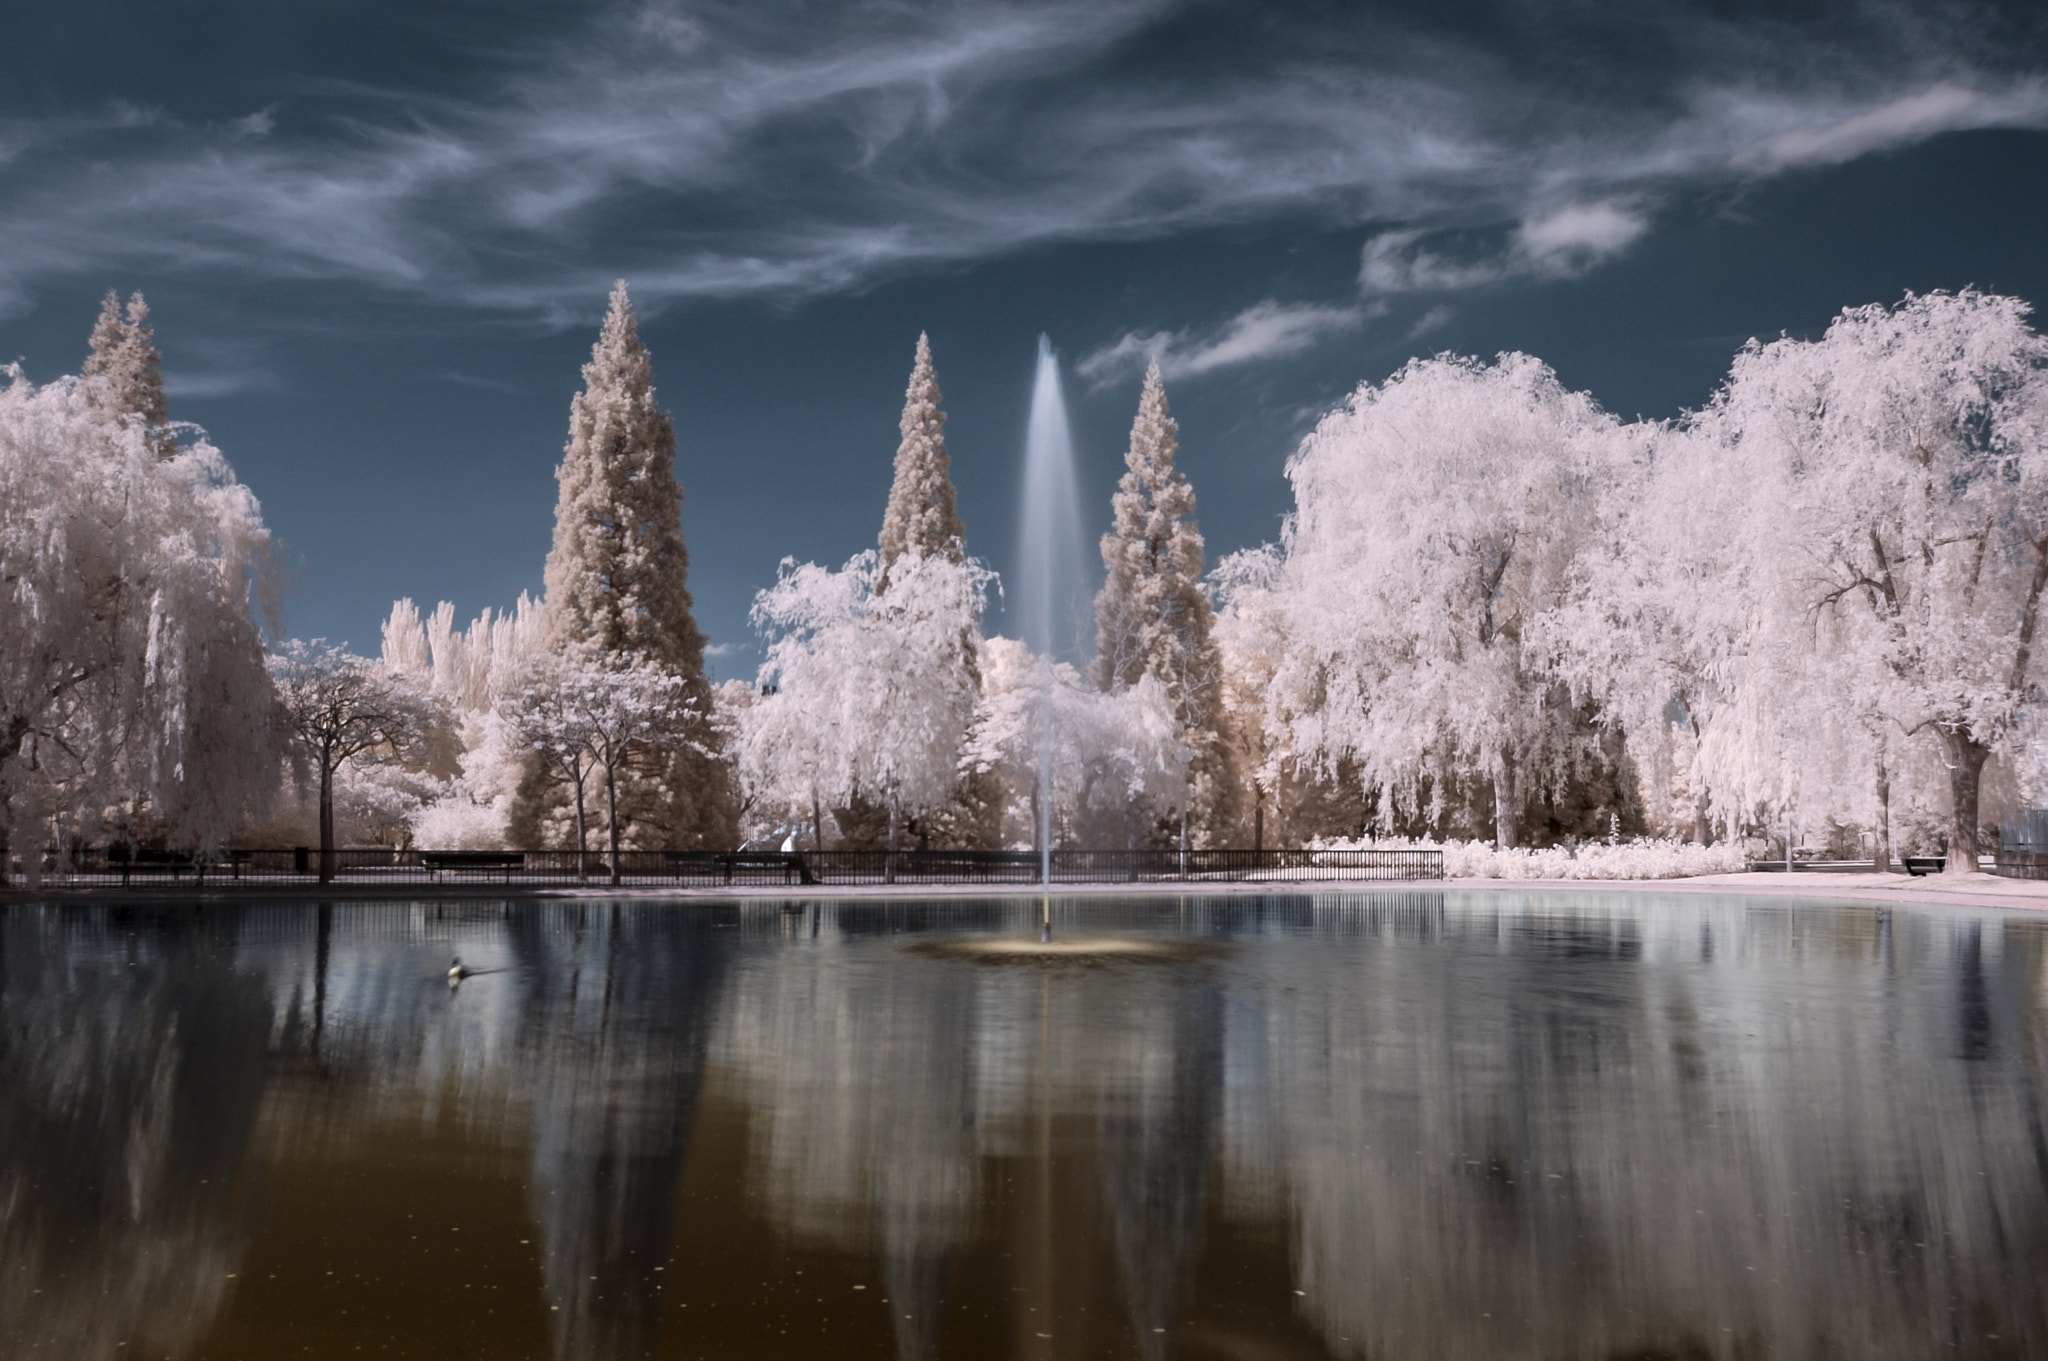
(1051, 590)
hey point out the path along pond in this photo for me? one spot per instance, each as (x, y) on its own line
(1394, 1125)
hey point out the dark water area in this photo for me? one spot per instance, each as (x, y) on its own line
(1391, 1125)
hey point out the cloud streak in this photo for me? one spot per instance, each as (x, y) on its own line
(773, 150)
(1266, 330)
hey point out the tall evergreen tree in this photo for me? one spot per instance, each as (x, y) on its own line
(922, 517)
(616, 579)
(124, 374)
(1151, 617)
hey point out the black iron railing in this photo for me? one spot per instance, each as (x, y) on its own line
(90, 868)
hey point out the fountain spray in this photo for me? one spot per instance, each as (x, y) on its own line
(1051, 586)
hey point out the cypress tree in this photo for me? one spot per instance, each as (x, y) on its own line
(616, 581)
(124, 373)
(1152, 617)
(922, 517)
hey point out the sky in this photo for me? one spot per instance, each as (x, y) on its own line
(376, 238)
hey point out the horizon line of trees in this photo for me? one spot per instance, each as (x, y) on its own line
(1496, 611)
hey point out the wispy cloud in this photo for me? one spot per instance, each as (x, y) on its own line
(1556, 243)
(1266, 330)
(777, 149)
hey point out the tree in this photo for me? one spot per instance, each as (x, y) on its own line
(613, 713)
(865, 693)
(596, 719)
(131, 675)
(1437, 516)
(124, 374)
(1906, 455)
(922, 518)
(616, 576)
(1106, 749)
(1151, 616)
(343, 708)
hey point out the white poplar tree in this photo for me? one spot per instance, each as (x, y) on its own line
(1152, 617)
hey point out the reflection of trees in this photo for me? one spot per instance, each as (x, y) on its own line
(859, 1066)
(880, 1080)
(620, 1012)
(1709, 1131)
(131, 1070)
(1163, 1073)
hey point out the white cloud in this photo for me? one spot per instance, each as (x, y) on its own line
(1832, 137)
(1435, 319)
(1580, 232)
(1554, 243)
(1265, 330)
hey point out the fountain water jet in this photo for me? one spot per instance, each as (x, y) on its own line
(1052, 593)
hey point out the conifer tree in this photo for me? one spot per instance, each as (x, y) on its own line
(124, 374)
(1151, 616)
(616, 578)
(922, 517)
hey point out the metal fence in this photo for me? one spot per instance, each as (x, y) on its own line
(714, 869)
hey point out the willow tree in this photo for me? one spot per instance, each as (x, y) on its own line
(1439, 517)
(1905, 454)
(617, 590)
(1152, 617)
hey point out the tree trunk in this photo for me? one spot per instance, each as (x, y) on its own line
(611, 817)
(895, 834)
(326, 820)
(1503, 801)
(1882, 861)
(1964, 756)
(582, 836)
(817, 823)
(1258, 818)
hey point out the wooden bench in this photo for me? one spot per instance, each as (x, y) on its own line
(438, 863)
(1924, 864)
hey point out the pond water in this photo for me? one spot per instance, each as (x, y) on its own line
(1389, 1125)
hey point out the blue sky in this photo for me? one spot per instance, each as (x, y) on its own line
(377, 237)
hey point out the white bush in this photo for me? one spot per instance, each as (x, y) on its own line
(1639, 859)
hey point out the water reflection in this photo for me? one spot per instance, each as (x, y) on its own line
(1413, 1125)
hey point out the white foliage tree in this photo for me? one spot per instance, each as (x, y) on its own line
(470, 670)
(1437, 517)
(866, 693)
(1108, 749)
(343, 709)
(591, 722)
(1907, 455)
(131, 675)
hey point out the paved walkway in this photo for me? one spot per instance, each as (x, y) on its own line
(1975, 890)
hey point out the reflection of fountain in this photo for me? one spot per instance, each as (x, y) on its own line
(1050, 590)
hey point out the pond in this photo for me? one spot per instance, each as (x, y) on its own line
(1414, 1124)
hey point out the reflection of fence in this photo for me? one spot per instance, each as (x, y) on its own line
(710, 869)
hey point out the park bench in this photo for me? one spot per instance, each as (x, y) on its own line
(1924, 864)
(728, 863)
(437, 863)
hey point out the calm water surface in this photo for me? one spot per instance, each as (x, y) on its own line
(1399, 1125)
